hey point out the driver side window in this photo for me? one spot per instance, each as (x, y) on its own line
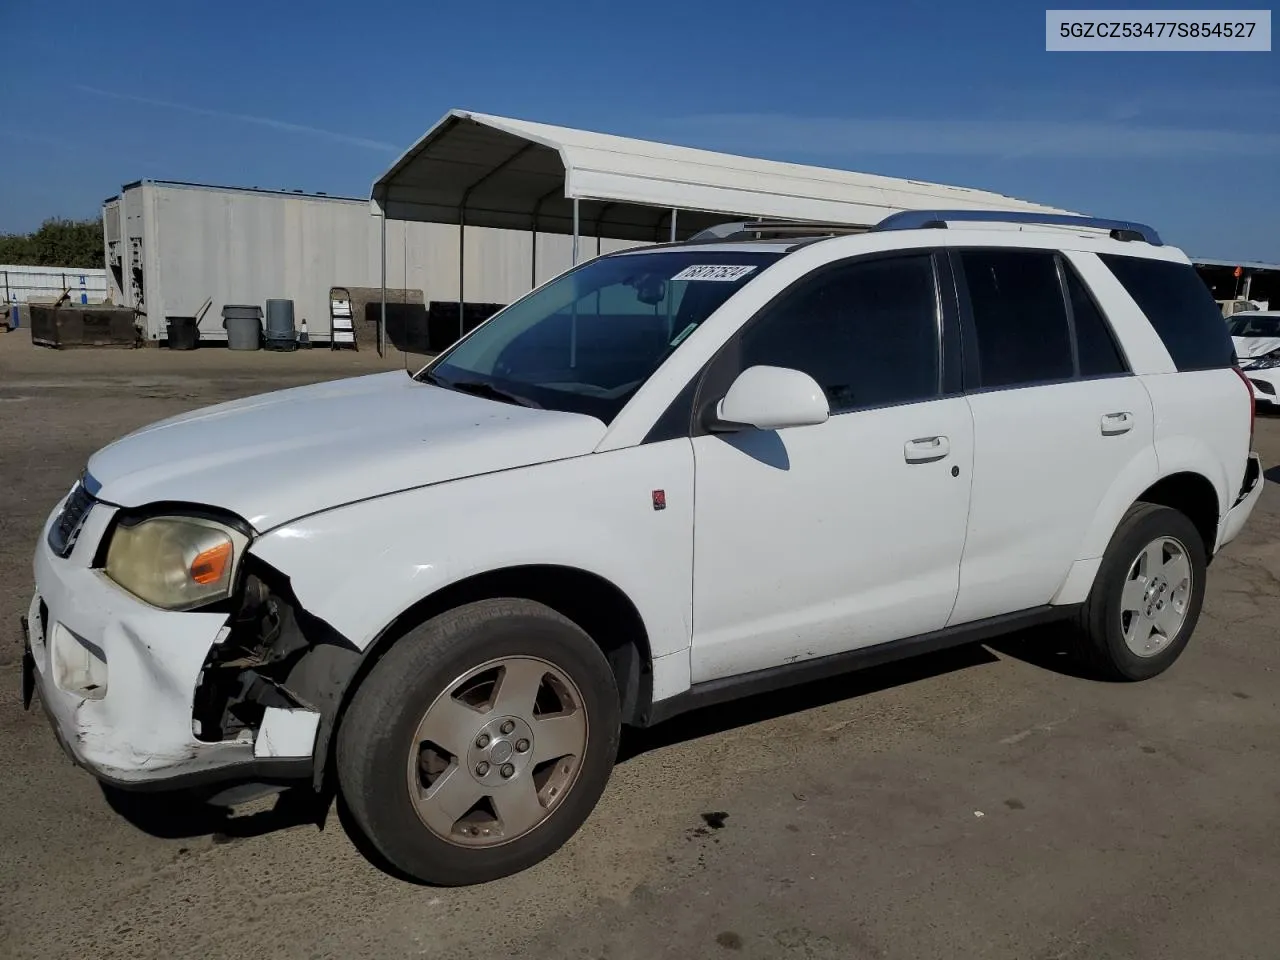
(866, 330)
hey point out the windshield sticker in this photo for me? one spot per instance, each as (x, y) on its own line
(723, 272)
(684, 333)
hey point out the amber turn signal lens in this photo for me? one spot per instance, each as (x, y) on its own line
(174, 563)
(210, 566)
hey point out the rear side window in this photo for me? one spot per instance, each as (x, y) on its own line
(1019, 316)
(1099, 355)
(1180, 308)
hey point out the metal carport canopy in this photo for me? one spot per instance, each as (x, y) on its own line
(488, 171)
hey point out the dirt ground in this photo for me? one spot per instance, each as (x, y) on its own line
(985, 802)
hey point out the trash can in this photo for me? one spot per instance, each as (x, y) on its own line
(243, 323)
(280, 334)
(184, 333)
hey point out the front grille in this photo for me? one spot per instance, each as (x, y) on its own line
(63, 533)
(1263, 387)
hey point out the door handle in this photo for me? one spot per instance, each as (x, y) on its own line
(927, 449)
(1116, 423)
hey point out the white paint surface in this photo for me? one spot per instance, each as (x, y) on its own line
(773, 546)
(283, 455)
(819, 539)
(286, 733)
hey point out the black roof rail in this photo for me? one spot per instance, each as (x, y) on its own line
(925, 219)
(763, 229)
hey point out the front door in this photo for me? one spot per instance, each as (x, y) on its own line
(816, 540)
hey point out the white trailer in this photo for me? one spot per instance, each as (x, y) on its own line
(170, 246)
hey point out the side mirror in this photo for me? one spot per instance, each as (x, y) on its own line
(771, 398)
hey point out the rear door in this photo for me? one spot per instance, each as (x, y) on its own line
(1057, 417)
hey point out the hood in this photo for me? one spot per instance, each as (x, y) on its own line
(279, 456)
(1247, 347)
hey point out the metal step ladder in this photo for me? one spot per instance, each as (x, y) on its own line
(341, 323)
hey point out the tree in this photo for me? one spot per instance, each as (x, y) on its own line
(58, 243)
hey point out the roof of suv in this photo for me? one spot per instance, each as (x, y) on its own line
(750, 235)
(757, 246)
(1052, 238)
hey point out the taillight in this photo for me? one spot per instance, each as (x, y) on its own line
(1253, 413)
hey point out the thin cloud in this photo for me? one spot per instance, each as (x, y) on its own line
(246, 118)
(1005, 139)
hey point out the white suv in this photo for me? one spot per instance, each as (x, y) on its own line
(669, 477)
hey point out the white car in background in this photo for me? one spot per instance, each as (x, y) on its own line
(1257, 338)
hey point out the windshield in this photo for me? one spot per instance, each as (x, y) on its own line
(587, 341)
(1246, 326)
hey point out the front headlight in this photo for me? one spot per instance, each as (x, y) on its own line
(175, 562)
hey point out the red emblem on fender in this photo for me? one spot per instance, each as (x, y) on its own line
(659, 499)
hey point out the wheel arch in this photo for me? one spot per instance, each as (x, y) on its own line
(1193, 495)
(1186, 490)
(604, 611)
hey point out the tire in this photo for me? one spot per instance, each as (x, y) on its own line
(1108, 613)
(391, 744)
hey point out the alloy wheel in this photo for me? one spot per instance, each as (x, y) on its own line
(497, 751)
(1156, 596)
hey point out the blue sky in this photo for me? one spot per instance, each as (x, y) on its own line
(324, 96)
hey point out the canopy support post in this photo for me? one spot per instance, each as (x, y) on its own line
(462, 263)
(604, 208)
(575, 231)
(462, 222)
(573, 320)
(533, 258)
(674, 212)
(382, 321)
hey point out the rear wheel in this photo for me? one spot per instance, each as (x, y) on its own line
(480, 743)
(1146, 598)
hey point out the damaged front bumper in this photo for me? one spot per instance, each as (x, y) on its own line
(118, 680)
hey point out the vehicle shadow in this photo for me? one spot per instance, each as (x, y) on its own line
(1272, 474)
(188, 815)
(724, 717)
(1050, 647)
(184, 816)
(174, 816)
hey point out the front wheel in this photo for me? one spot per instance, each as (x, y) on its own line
(1147, 595)
(480, 743)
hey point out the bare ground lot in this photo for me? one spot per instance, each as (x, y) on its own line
(979, 803)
